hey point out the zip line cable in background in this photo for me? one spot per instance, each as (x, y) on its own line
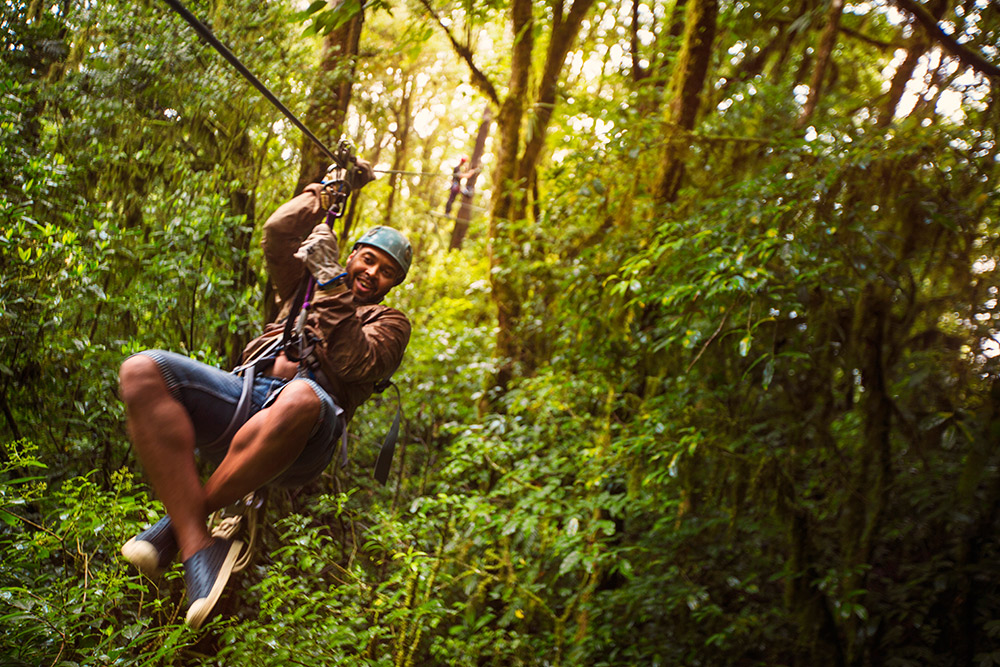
(206, 33)
(413, 173)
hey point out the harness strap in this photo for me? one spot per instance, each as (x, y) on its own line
(242, 408)
(384, 461)
(297, 312)
(242, 412)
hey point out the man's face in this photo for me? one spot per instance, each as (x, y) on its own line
(371, 273)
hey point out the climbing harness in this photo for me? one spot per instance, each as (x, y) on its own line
(297, 343)
(248, 371)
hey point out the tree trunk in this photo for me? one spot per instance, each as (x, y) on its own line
(404, 120)
(873, 476)
(514, 176)
(823, 57)
(690, 74)
(786, 39)
(564, 33)
(331, 97)
(505, 294)
(512, 112)
(918, 45)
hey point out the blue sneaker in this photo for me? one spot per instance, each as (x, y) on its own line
(153, 550)
(206, 574)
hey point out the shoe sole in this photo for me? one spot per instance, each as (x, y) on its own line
(201, 608)
(144, 556)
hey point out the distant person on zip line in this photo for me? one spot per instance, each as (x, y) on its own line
(301, 392)
(457, 176)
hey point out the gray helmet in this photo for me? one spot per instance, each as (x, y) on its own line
(392, 243)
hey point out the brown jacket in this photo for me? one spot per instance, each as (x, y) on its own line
(358, 345)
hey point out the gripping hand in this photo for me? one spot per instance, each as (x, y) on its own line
(319, 252)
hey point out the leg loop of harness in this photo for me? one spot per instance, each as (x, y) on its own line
(242, 412)
(249, 371)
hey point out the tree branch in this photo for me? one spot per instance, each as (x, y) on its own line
(846, 30)
(966, 56)
(479, 80)
(862, 37)
(824, 54)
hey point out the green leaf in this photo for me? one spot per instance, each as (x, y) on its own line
(745, 345)
(768, 373)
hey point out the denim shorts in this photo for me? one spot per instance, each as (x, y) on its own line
(210, 396)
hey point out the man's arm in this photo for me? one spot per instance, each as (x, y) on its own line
(283, 233)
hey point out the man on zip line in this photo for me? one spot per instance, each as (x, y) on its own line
(300, 394)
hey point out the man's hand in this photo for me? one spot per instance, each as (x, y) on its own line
(356, 177)
(319, 253)
(361, 174)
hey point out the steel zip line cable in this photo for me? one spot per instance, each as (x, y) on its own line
(206, 33)
(412, 173)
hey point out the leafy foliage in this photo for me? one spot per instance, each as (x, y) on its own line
(64, 596)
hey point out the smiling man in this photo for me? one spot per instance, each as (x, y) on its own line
(280, 423)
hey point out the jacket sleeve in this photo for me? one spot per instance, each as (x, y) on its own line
(284, 231)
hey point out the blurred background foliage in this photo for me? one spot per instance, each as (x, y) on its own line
(712, 378)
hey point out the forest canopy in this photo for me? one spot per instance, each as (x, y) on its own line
(703, 367)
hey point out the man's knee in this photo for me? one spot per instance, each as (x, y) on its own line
(139, 377)
(287, 421)
(298, 401)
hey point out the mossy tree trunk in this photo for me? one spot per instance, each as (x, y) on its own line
(686, 86)
(331, 97)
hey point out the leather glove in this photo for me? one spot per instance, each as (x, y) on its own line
(361, 174)
(319, 252)
(358, 176)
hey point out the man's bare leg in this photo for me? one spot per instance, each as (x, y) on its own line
(163, 437)
(267, 444)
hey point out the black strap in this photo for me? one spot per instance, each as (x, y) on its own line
(265, 355)
(384, 461)
(293, 314)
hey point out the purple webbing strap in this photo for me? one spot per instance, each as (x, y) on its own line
(309, 293)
